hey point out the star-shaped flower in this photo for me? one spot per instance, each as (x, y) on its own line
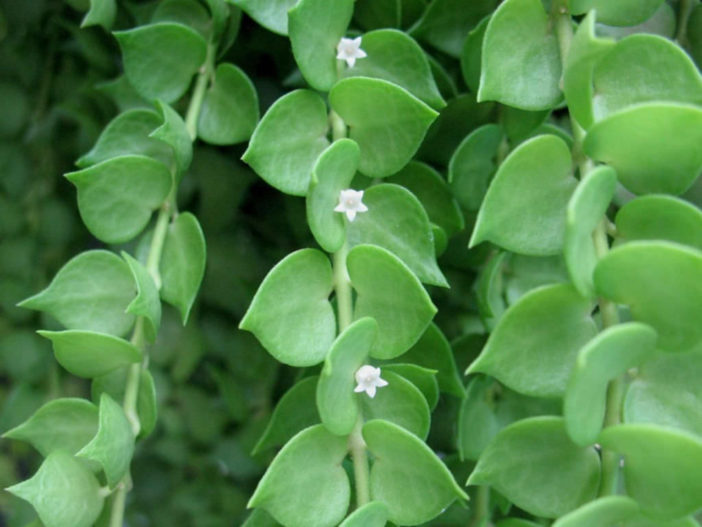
(368, 379)
(350, 203)
(349, 49)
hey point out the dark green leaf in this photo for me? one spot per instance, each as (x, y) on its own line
(101, 13)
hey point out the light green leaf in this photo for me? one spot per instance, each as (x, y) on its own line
(229, 110)
(489, 287)
(396, 221)
(158, 75)
(471, 55)
(66, 424)
(113, 445)
(373, 514)
(116, 197)
(662, 22)
(271, 14)
(554, 475)
(288, 140)
(659, 281)
(306, 484)
(620, 13)
(606, 357)
(63, 492)
(291, 314)
(422, 378)
(386, 121)
(147, 303)
(174, 133)
(390, 293)
(533, 348)
(91, 291)
(524, 210)
(101, 13)
(88, 354)
(609, 511)
(183, 263)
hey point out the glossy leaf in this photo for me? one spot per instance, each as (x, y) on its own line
(609, 511)
(386, 121)
(407, 476)
(533, 347)
(288, 140)
(390, 293)
(174, 133)
(291, 314)
(555, 475)
(631, 274)
(271, 14)
(116, 197)
(621, 13)
(524, 210)
(101, 13)
(373, 514)
(306, 484)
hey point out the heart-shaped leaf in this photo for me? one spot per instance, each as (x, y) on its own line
(147, 303)
(271, 14)
(186, 12)
(373, 514)
(101, 13)
(423, 378)
(621, 13)
(174, 133)
(609, 511)
(471, 55)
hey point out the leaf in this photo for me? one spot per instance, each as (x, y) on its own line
(586, 209)
(271, 14)
(306, 484)
(91, 291)
(101, 13)
(63, 492)
(524, 210)
(660, 217)
(88, 354)
(526, 75)
(389, 292)
(116, 197)
(62, 424)
(606, 357)
(156, 75)
(373, 14)
(229, 112)
(644, 145)
(394, 56)
(291, 314)
(406, 475)
(147, 303)
(396, 221)
(661, 467)
(387, 122)
(315, 28)
(174, 133)
(113, 445)
(332, 173)
(622, 13)
(555, 475)
(373, 514)
(533, 347)
(337, 403)
(423, 379)
(189, 13)
(286, 143)
(488, 290)
(183, 263)
(660, 283)
(609, 511)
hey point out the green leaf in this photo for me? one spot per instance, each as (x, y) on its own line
(554, 475)
(189, 13)
(662, 467)
(295, 411)
(660, 217)
(373, 514)
(373, 14)
(694, 35)
(406, 475)
(291, 314)
(98, 279)
(520, 125)
(101, 13)
(89, 354)
(63, 492)
(306, 484)
(606, 357)
(113, 445)
(524, 210)
(332, 173)
(489, 287)
(174, 133)
(394, 56)
(660, 283)
(621, 13)
(396, 221)
(337, 403)
(586, 209)
(147, 303)
(524, 76)
(271, 14)
(158, 75)
(472, 165)
(533, 348)
(609, 511)
(229, 110)
(471, 55)
(422, 378)
(62, 424)
(662, 22)
(386, 121)
(644, 145)
(288, 140)
(116, 197)
(392, 295)
(183, 263)
(315, 28)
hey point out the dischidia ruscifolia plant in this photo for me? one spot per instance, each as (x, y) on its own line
(525, 172)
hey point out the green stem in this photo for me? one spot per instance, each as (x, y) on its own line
(684, 10)
(158, 239)
(564, 27)
(338, 125)
(203, 78)
(357, 446)
(482, 506)
(342, 288)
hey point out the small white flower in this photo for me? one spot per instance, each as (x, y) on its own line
(349, 49)
(350, 203)
(368, 379)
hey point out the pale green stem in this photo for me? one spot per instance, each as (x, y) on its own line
(357, 446)
(203, 78)
(684, 11)
(481, 508)
(342, 287)
(338, 125)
